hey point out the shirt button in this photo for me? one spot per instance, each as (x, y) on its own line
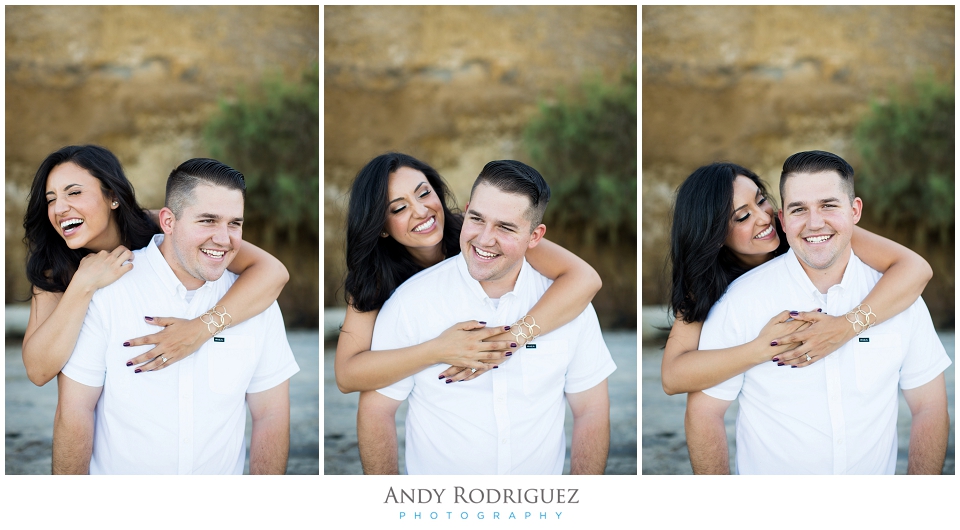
(504, 441)
(840, 441)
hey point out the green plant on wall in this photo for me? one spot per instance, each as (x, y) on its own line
(585, 145)
(271, 134)
(906, 148)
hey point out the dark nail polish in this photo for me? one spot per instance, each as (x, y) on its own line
(137, 371)
(126, 343)
(484, 323)
(496, 366)
(794, 313)
(506, 328)
(819, 310)
(773, 343)
(793, 366)
(441, 376)
(449, 381)
(508, 354)
(779, 364)
(776, 359)
(148, 319)
(129, 363)
(513, 344)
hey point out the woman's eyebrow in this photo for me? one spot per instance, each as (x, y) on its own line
(414, 190)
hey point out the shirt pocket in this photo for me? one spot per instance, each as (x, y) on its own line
(544, 367)
(230, 363)
(877, 358)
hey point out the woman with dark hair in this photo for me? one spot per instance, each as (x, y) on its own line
(82, 218)
(724, 224)
(398, 224)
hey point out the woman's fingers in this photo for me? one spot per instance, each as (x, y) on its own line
(809, 316)
(142, 358)
(157, 362)
(457, 374)
(488, 366)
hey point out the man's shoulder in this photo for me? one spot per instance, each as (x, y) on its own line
(424, 283)
(761, 275)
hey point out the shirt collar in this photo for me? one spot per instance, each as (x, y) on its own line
(474, 287)
(800, 276)
(155, 258)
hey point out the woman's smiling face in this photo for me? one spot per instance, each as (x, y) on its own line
(78, 209)
(414, 213)
(752, 234)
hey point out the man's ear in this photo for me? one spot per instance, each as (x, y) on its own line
(857, 205)
(780, 216)
(537, 235)
(167, 220)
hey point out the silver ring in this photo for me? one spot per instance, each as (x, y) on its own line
(165, 359)
(473, 370)
(808, 357)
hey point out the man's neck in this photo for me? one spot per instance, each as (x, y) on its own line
(169, 255)
(824, 279)
(501, 286)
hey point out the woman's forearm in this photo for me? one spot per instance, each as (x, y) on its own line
(564, 300)
(262, 278)
(898, 289)
(372, 370)
(47, 349)
(697, 370)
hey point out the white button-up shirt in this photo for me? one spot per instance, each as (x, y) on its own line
(188, 417)
(838, 415)
(509, 420)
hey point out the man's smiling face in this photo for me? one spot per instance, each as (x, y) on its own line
(818, 218)
(495, 236)
(206, 237)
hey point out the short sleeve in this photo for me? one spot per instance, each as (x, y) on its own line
(591, 362)
(87, 364)
(392, 331)
(276, 363)
(721, 330)
(925, 357)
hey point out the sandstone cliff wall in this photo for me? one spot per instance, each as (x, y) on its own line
(139, 80)
(755, 84)
(453, 86)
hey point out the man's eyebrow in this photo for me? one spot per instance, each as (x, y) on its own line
(401, 198)
(471, 211)
(821, 201)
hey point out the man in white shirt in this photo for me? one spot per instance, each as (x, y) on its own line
(839, 414)
(510, 421)
(188, 418)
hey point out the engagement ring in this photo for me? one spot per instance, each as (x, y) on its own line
(473, 370)
(808, 357)
(164, 359)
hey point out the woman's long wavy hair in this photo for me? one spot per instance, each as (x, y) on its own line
(378, 265)
(50, 262)
(702, 267)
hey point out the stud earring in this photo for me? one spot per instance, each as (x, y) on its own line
(384, 234)
(115, 204)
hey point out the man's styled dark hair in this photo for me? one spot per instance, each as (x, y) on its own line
(510, 176)
(196, 171)
(50, 262)
(702, 267)
(377, 265)
(815, 162)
